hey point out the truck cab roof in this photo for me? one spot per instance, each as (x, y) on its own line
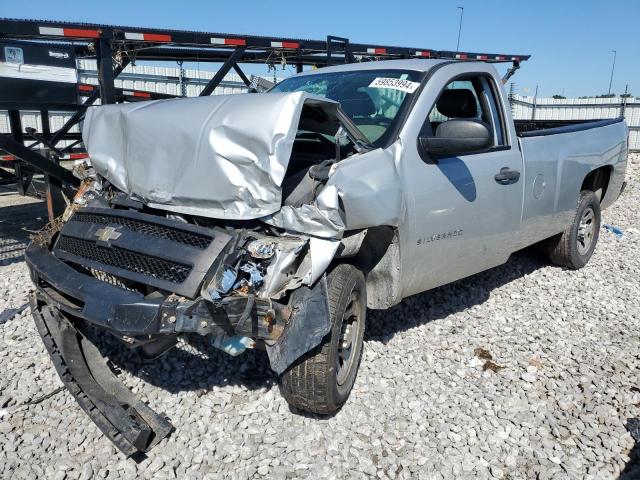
(417, 64)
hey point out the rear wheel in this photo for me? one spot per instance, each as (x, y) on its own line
(321, 381)
(573, 247)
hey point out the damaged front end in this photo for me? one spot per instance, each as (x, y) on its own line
(224, 226)
(147, 279)
(136, 274)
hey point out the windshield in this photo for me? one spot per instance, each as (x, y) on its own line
(373, 99)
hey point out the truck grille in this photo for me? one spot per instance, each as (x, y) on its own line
(140, 250)
(124, 259)
(184, 237)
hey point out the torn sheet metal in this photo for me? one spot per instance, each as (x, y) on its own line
(222, 156)
(356, 196)
(307, 326)
(290, 267)
(351, 243)
(322, 251)
(322, 218)
(282, 271)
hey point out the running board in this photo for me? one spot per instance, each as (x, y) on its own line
(130, 424)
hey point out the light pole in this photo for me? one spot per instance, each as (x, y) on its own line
(459, 28)
(612, 69)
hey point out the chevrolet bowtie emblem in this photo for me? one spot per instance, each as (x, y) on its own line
(107, 233)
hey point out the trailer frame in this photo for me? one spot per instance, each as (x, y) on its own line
(115, 47)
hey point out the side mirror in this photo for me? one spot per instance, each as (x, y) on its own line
(456, 137)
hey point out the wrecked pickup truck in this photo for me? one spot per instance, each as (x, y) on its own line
(273, 221)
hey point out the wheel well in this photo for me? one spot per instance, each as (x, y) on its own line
(377, 255)
(597, 181)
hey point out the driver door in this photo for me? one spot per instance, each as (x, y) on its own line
(463, 220)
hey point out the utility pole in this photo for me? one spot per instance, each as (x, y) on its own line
(459, 28)
(535, 103)
(612, 69)
(623, 100)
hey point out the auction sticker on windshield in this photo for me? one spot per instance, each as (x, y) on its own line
(395, 84)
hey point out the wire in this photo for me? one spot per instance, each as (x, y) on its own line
(33, 401)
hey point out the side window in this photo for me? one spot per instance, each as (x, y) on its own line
(461, 87)
(470, 97)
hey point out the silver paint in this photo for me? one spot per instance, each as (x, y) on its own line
(423, 200)
(239, 172)
(223, 156)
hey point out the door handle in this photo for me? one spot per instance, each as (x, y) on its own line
(507, 176)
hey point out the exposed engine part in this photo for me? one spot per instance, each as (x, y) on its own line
(262, 248)
(259, 264)
(278, 264)
(82, 169)
(321, 171)
(255, 275)
(221, 283)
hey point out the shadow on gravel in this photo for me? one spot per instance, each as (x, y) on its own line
(9, 313)
(17, 223)
(452, 298)
(193, 365)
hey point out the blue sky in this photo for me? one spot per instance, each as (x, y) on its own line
(570, 41)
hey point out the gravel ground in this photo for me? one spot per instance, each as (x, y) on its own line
(524, 371)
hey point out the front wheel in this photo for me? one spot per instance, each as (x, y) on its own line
(321, 381)
(573, 247)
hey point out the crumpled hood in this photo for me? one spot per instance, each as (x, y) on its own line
(222, 156)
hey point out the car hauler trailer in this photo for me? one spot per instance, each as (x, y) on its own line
(46, 46)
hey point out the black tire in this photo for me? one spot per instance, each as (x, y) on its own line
(570, 249)
(318, 382)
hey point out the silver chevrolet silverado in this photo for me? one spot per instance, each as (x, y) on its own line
(273, 221)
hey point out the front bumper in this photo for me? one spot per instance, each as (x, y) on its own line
(66, 301)
(131, 313)
(130, 424)
(86, 297)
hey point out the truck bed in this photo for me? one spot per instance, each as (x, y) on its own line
(557, 160)
(536, 128)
